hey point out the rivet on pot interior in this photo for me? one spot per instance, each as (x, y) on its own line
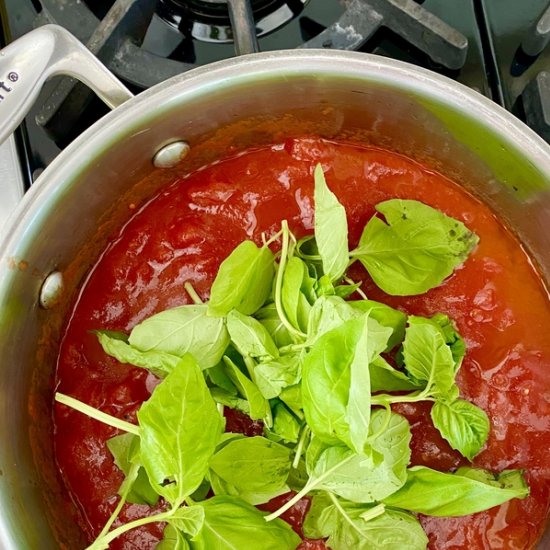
(52, 290)
(170, 155)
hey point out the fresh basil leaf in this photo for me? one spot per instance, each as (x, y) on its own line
(356, 477)
(452, 338)
(270, 319)
(415, 249)
(358, 410)
(249, 336)
(344, 291)
(391, 436)
(292, 398)
(172, 540)
(462, 424)
(218, 377)
(386, 316)
(327, 313)
(346, 527)
(307, 249)
(294, 302)
(273, 376)
(243, 281)
(253, 466)
(324, 286)
(331, 228)
(181, 330)
(309, 283)
(229, 400)
(259, 406)
(285, 424)
(378, 472)
(222, 487)
(179, 428)
(331, 406)
(467, 491)
(427, 357)
(125, 451)
(321, 520)
(384, 377)
(202, 492)
(116, 345)
(188, 519)
(231, 523)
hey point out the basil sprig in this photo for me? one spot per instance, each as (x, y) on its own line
(278, 342)
(415, 249)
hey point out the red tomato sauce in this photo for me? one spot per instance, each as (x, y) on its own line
(496, 299)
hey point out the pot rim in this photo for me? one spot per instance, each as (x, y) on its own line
(236, 71)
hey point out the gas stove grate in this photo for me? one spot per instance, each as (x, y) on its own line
(117, 39)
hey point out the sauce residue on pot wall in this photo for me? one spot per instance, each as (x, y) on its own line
(496, 299)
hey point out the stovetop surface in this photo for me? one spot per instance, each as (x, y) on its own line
(176, 39)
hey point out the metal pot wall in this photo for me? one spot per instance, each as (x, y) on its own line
(65, 219)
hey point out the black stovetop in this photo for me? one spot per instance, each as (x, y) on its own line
(477, 42)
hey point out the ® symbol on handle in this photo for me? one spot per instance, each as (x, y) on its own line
(12, 77)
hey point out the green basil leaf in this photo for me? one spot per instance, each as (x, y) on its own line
(273, 376)
(331, 228)
(366, 477)
(427, 357)
(243, 281)
(385, 378)
(229, 400)
(116, 345)
(356, 477)
(188, 519)
(344, 291)
(452, 338)
(270, 319)
(467, 491)
(415, 250)
(391, 438)
(358, 409)
(327, 313)
(331, 406)
(259, 406)
(346, 527)
(463, 425)
(249, 336)
(172, 540)
(294, 302)
(231, 523)
(324, 286)
(181, 330)
(253, 466)
(179, 427)
(285, 424)
(321, 519)
(219, 377)
(292, 398)
(386, 316)
(222, 487)
(202, 492)
(125, 451)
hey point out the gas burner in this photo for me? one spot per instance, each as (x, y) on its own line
(210, 20)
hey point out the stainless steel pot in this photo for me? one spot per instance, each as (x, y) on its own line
(64, 220)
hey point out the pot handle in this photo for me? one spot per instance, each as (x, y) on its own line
(42, 53)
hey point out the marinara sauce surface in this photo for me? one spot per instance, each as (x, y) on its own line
(496, 299)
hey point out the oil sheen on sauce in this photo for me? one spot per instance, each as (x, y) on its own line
(496, 299)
